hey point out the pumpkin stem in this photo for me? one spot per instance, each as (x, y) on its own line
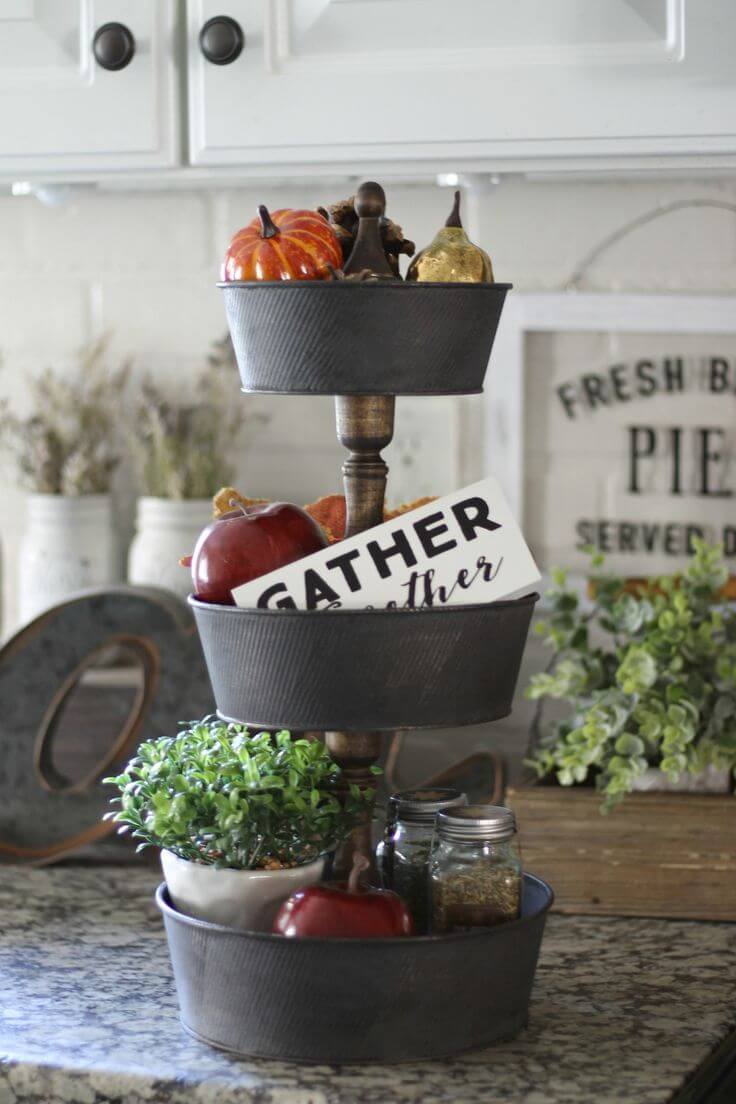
(454, 216)
(360, 863)
(269, 229)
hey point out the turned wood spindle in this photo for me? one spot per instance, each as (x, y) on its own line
(365, 425)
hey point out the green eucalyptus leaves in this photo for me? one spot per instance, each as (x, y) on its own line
(660, 690)
(217, 794)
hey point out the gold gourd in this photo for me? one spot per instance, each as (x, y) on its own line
(451, 257)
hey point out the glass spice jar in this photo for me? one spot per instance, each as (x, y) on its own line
(402, 856)
(475, 869)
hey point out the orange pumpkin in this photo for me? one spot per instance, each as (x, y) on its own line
(288, 245)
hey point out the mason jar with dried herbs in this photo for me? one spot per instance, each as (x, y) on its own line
(403, 855)
(475, 869)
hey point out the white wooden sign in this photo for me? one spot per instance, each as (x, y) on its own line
(463, 548)
(613, 423)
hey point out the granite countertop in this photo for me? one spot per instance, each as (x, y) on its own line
(623, 1012)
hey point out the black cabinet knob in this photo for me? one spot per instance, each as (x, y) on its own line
(113, 46)
(221, 40)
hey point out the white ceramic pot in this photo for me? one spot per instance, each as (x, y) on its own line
(68, 545)
(710, 780)
(166, 530)
(247, 899)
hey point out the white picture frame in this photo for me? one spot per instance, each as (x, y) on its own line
(573, 312)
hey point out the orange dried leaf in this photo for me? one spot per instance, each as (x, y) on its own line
(329, 513)
(389, 515)
(222, 503)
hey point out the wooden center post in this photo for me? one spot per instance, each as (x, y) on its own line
(365, 426)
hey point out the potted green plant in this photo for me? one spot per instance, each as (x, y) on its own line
(184, 450)
(243, 820)
(647, 680)
(66, 451)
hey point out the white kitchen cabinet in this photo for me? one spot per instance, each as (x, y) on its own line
(493, 84)
(60, 110)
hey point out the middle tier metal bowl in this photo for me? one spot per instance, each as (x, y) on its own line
(364, 669)
(387, 338)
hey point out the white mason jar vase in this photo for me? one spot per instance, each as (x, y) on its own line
(68, 545)
(166, 530)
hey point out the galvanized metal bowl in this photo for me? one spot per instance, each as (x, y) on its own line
(355, 1000)
(337, 338)
(364, 669)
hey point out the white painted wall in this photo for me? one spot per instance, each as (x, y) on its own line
(145, 265)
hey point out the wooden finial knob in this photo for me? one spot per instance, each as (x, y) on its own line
(370, 200)
(368, 253)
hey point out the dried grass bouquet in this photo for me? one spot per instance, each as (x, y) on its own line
(68, 444)
(183, 450)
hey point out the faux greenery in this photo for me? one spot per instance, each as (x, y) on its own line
(184, 449)
(219, 795)
(67, 445)
(659, 690)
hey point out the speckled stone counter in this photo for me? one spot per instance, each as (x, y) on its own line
(623, 1011)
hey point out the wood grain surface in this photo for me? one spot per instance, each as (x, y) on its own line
(666, 855)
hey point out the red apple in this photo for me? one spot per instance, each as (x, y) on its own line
(344, 911)
(248, 542)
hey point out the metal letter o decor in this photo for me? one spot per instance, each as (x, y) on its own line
(44, 816)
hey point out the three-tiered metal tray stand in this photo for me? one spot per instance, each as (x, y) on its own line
(356, 675)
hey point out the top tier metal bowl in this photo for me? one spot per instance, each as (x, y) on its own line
(339, 338)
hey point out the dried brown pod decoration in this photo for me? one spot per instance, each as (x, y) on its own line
(353, 277)
(344, 235)
(344, 221)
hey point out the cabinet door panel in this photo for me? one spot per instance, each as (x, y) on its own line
(415, 79)
(59, 110)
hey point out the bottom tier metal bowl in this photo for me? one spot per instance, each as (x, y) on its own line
(364, 669)
(355, 1000)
